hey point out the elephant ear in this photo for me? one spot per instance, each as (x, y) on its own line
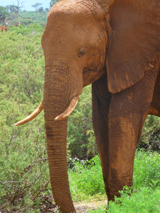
(134, 41)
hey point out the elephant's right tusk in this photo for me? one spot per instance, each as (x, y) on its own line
(69, 110)
(31, 116)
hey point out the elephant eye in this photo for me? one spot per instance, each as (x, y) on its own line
(81, 52)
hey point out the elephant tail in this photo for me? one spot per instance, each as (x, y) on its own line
(31, 116)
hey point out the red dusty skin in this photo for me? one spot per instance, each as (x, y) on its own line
(56, 132)
(56, 146)
(60, 98)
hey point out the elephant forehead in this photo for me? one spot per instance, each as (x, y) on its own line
(87, 32)
(71, 31)
(76, 6)
(67, 11)
(81, 11)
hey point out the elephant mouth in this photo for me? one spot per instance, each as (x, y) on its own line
(65, 114)
(91, 75)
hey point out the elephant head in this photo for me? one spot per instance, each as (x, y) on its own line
(82, 41)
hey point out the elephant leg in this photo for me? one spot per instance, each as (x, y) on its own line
(100, 108)
(128, 111)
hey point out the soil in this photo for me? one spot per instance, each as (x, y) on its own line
(85, 207)
(81, 207)
(47, 205)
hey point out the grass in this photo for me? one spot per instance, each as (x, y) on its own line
(87, 184)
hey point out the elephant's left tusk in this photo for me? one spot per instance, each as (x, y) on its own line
(69, 110)
(31, 116)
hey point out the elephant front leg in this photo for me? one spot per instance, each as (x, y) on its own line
(124, 134)
(128, 111)
(101, 98)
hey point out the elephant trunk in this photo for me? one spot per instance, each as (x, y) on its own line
(60, 93)
(56, 132)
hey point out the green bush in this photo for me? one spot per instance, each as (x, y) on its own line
(150, 138)
(81, 140)
(146, 169)
(35, 16)
(87, 181)
(143, 201)
(21, 67)
(30, 30)
(27, 18)
(23, 159)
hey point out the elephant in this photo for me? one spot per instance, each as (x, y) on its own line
(3, 28)
(115, 46)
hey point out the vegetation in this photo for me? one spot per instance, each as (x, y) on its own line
(3, 13)
(14, 15)
(11, 15)
(24, 176)
(145, 195)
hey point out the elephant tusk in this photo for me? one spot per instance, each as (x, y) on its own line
(69, 110)
(31, 116)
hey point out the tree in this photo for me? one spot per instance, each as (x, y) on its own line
(52, 2)
(4, 13)
(20, 4)
(40, 9)
(36, 6)
(13, 8)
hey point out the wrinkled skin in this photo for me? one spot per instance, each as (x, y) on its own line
(113, 45)
(3, 28)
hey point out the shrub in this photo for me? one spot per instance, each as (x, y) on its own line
(86, 180)
(81, 140)
(150, 134)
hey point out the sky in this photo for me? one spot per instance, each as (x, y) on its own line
(27, 3)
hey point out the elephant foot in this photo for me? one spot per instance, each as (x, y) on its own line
(112, 197)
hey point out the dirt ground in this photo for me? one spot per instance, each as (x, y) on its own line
(47, 205)
(81, 207)
(85, 207)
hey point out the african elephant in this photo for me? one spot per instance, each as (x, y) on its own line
(113, 45)
(3, 28)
